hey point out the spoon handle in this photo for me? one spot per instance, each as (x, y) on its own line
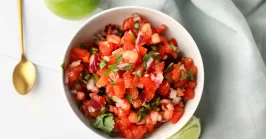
(20, 27)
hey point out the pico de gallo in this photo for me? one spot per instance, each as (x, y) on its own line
(130, 78)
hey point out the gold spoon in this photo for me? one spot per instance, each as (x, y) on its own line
(24, 73)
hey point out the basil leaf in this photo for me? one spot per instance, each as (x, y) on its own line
(102, 64)
(190, 76)
(183, 75)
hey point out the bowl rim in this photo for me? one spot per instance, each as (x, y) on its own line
(191, 112)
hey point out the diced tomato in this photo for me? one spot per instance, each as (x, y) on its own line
(119, 88)
(95, 114)
(134, 93)
(191, 84)
(149, 127)
(102, 81)
(123, 113)
(128, 134)
(176, 74)
(79, 54)
(142, 50)
(105, 47)
(128, 24)
(142, 22)
(73, 73)
(133, 117)
(112, 60)
(178, 113)
(137, 103)
(122, 124)
(113, 39)
(180, 92)
(155, 38)
(146, 31)
(128, 79)
(161, 28)
(180, 84)
(128, 41)
(110, 90)
(194, 70)
(149, 87)
(159, 67)
(189, 94)
(164, 88)
(130, 56)
(172, 41)
(98, 98)
(138, 131)
(167, 114)
(188, 62)
(136, 80)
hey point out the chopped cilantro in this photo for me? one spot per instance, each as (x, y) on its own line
(132, 36)
(121, 32)
(146, 105)
(190, 76)
(146, 57)
(142, 113)
(118, 58)
(183, 75)
(113, 68)
(138, 73)
(154, 55)
(95, 77)
(128, 67)
(113, 83)
(174, 47)
(94, 50)
(102, 64)
(63, 66)
(136, 26)
(168, 68)
(154, 48)
(82, 46)
(105, 122)
(129, 97)
(106, 73)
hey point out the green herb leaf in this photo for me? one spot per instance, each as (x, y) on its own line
(118, 58)
(106, 73)
(96, 78)
(154, 48)
(121, 32)
(96, 40)
(113, 83)
(113, 68)
(154, 55)
(94, 50)
(129, 97)
(155, 102)
(128, 67)
(63, 66)
(190, 76)
(174, 47)
(141, 113)
(105, 122)
(146, 57)
(82, 46)
(183, 75)
(138, 73)
(136, 26)
(102, 64)
(146, 105)
(132, 36)
(168, 68)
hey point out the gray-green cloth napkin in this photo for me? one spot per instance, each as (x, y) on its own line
(231, 36)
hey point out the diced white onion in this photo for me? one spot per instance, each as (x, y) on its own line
(159, 118)
(91, 109)
(173, 93)
(150, 60)
(176, 100)
(170, 106)
(106, 58)
(122, 65)
(75, 64)
(91, 86)
(73, 91)
(165, 101)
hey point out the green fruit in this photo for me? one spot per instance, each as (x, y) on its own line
(190, 131)
(72, 9)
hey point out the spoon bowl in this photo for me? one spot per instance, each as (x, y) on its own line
(24, 76)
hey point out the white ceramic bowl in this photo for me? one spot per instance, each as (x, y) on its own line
(175, 30)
